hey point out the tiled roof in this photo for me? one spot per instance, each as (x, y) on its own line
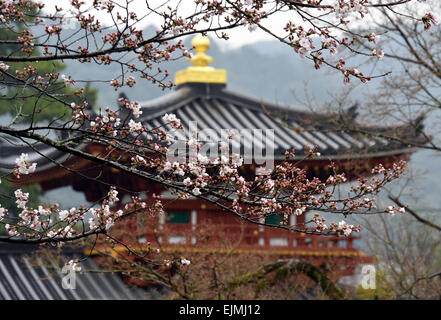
(216, 107)
(25, 277)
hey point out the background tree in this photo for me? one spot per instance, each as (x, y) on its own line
(407, 249)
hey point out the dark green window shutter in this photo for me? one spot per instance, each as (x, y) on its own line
(178, 217)
(274, 220)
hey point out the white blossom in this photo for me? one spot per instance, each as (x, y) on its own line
(172, 120)
(134, 126)
(23, 166)
(63, 214)
(12, 232)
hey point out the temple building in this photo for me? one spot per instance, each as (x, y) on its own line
(202, 95)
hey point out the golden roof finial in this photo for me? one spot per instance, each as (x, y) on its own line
(201, 71)
(201, 44)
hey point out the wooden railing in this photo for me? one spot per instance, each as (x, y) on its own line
(254, 237)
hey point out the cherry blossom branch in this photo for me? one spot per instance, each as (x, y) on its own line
(414, 214)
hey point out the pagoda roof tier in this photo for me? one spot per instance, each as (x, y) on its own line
(213, 106)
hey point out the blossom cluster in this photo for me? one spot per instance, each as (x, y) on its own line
(343, 228)
(106, 124)
(343, 8)
(78, 112)
(135, 107)
(50, 221)
(173, 121)
(23, 166)
(103, 218)
(392, 210)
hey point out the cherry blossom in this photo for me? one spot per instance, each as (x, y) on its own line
(23, 166)
(379, 54)
(173, 121)
(134, 126)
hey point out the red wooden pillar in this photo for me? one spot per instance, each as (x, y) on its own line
(300, 219)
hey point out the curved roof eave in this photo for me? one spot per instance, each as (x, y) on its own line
(45, 158)
(185, 93)
(347, 156)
